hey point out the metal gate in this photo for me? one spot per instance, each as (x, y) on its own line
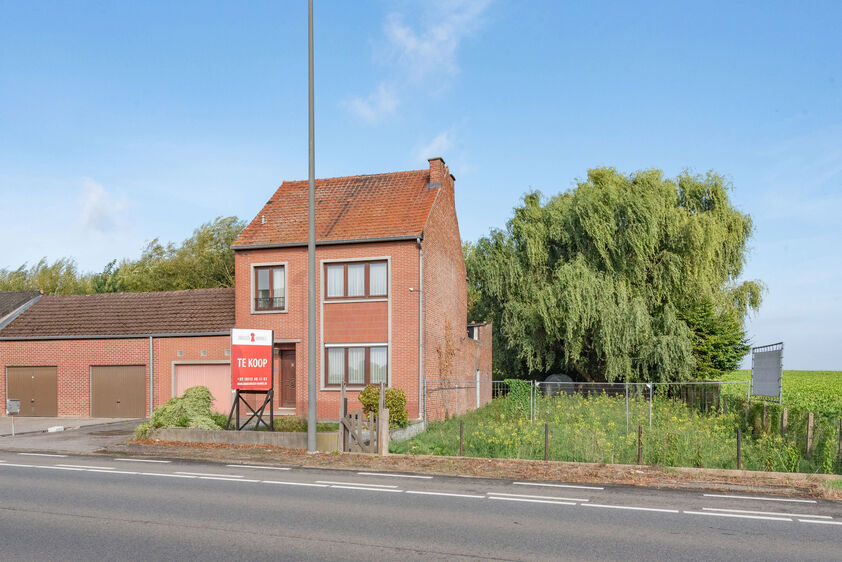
(118, 391)
(36, 388)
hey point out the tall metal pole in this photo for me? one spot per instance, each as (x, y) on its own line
(311, 261)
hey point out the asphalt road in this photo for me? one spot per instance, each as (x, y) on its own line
(92, 507)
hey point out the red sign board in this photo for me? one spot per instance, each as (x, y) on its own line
(251, 359)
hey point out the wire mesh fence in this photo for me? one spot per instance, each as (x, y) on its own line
(680, 424)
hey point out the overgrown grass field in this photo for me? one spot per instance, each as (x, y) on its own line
(594, 429)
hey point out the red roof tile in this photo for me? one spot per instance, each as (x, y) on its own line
(348, 208)
(170, 312)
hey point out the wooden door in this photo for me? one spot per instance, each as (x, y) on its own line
(36, 388)
(287, 378)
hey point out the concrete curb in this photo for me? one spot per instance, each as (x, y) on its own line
(290, 440)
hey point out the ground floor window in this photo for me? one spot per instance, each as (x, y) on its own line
(356, 365)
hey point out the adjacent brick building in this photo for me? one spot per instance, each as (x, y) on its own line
(391, 307)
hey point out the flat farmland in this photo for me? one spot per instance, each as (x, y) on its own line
(812, 391)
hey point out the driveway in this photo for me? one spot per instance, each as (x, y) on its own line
(81, 435)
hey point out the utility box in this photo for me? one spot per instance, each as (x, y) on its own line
(12, 406)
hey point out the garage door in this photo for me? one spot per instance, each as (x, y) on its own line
(118, 391)
(36, 388)
(215, 376)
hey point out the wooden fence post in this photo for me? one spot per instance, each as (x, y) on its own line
(739, 449)
(784, 422)
(547, 441)
(810, 436)
(639, 444)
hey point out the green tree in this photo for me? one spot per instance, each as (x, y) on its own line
(58, 278)
(625, 277)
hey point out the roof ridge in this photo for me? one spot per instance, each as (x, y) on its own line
(359, 176)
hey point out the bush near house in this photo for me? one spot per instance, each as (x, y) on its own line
(193, 409)
(395, 401)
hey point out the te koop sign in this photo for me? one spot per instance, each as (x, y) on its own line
(251, 359)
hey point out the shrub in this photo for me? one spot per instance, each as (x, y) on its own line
(193, 409)
(395, 401)
(517, 401)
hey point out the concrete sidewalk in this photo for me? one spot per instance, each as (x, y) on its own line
(25, 424)
(84, 436)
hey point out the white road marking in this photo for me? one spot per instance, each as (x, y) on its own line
(633, 508)
(260, 467)
(21, 465)
(210, 474)
(758, 498)
(356, 484)
(538, 497)
(738, 516)
(444, 494)
(393, 475)
(42, 455)
(111, 471)
(295, 483)
(86, 466)
(821, 522)
(141, 460)
(367, 489)
(226, 479)
(766, 513)
(530, 501)
(558, 485)
(163, 474)
(62, 468)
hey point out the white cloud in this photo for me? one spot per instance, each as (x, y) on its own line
(378, 105)
(101, 210)
(436, 147)
(417, 51)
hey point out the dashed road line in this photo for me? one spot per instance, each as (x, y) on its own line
(630, 507)
(766, 513)
(259, 467)
(366, 488)
(355, 484)
(792, 500)
(538, 497)
(764, 517)
(558, 485)
(111, 471)
(422, 493)
(86, 466)
(42, 455)
(310, 484)
(820, 522)
(529, 500)
(226, 479)
(210, 474)
(394, 475)
(142, 460)
(165, 474)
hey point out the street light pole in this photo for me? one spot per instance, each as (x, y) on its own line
(311, 260)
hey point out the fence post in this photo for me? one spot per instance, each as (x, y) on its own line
(765, 419)
(739, 449)
(627, 406)
(839, 448)
(810, 436)
(383, 432)
(639, 444)
(547, 441)
(784, 422)
(651, 385)
(461, 429)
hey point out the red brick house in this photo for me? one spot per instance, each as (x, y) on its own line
(391, 307)
(391, 289)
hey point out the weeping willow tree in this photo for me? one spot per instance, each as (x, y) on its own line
(626, 277)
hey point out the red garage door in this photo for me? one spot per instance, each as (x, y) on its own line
(215, 376)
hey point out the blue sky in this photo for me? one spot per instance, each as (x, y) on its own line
(121, 122)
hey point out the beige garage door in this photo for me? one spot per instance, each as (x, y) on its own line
(36, 388)
(118, 391)
(215, 376)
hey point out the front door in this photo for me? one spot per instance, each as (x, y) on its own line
(285, 362)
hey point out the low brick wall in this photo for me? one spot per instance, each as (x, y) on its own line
(325, 442)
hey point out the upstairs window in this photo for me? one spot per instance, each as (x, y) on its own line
(357, 280)
(270, 288)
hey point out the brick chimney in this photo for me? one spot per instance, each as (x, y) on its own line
(438, 171)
